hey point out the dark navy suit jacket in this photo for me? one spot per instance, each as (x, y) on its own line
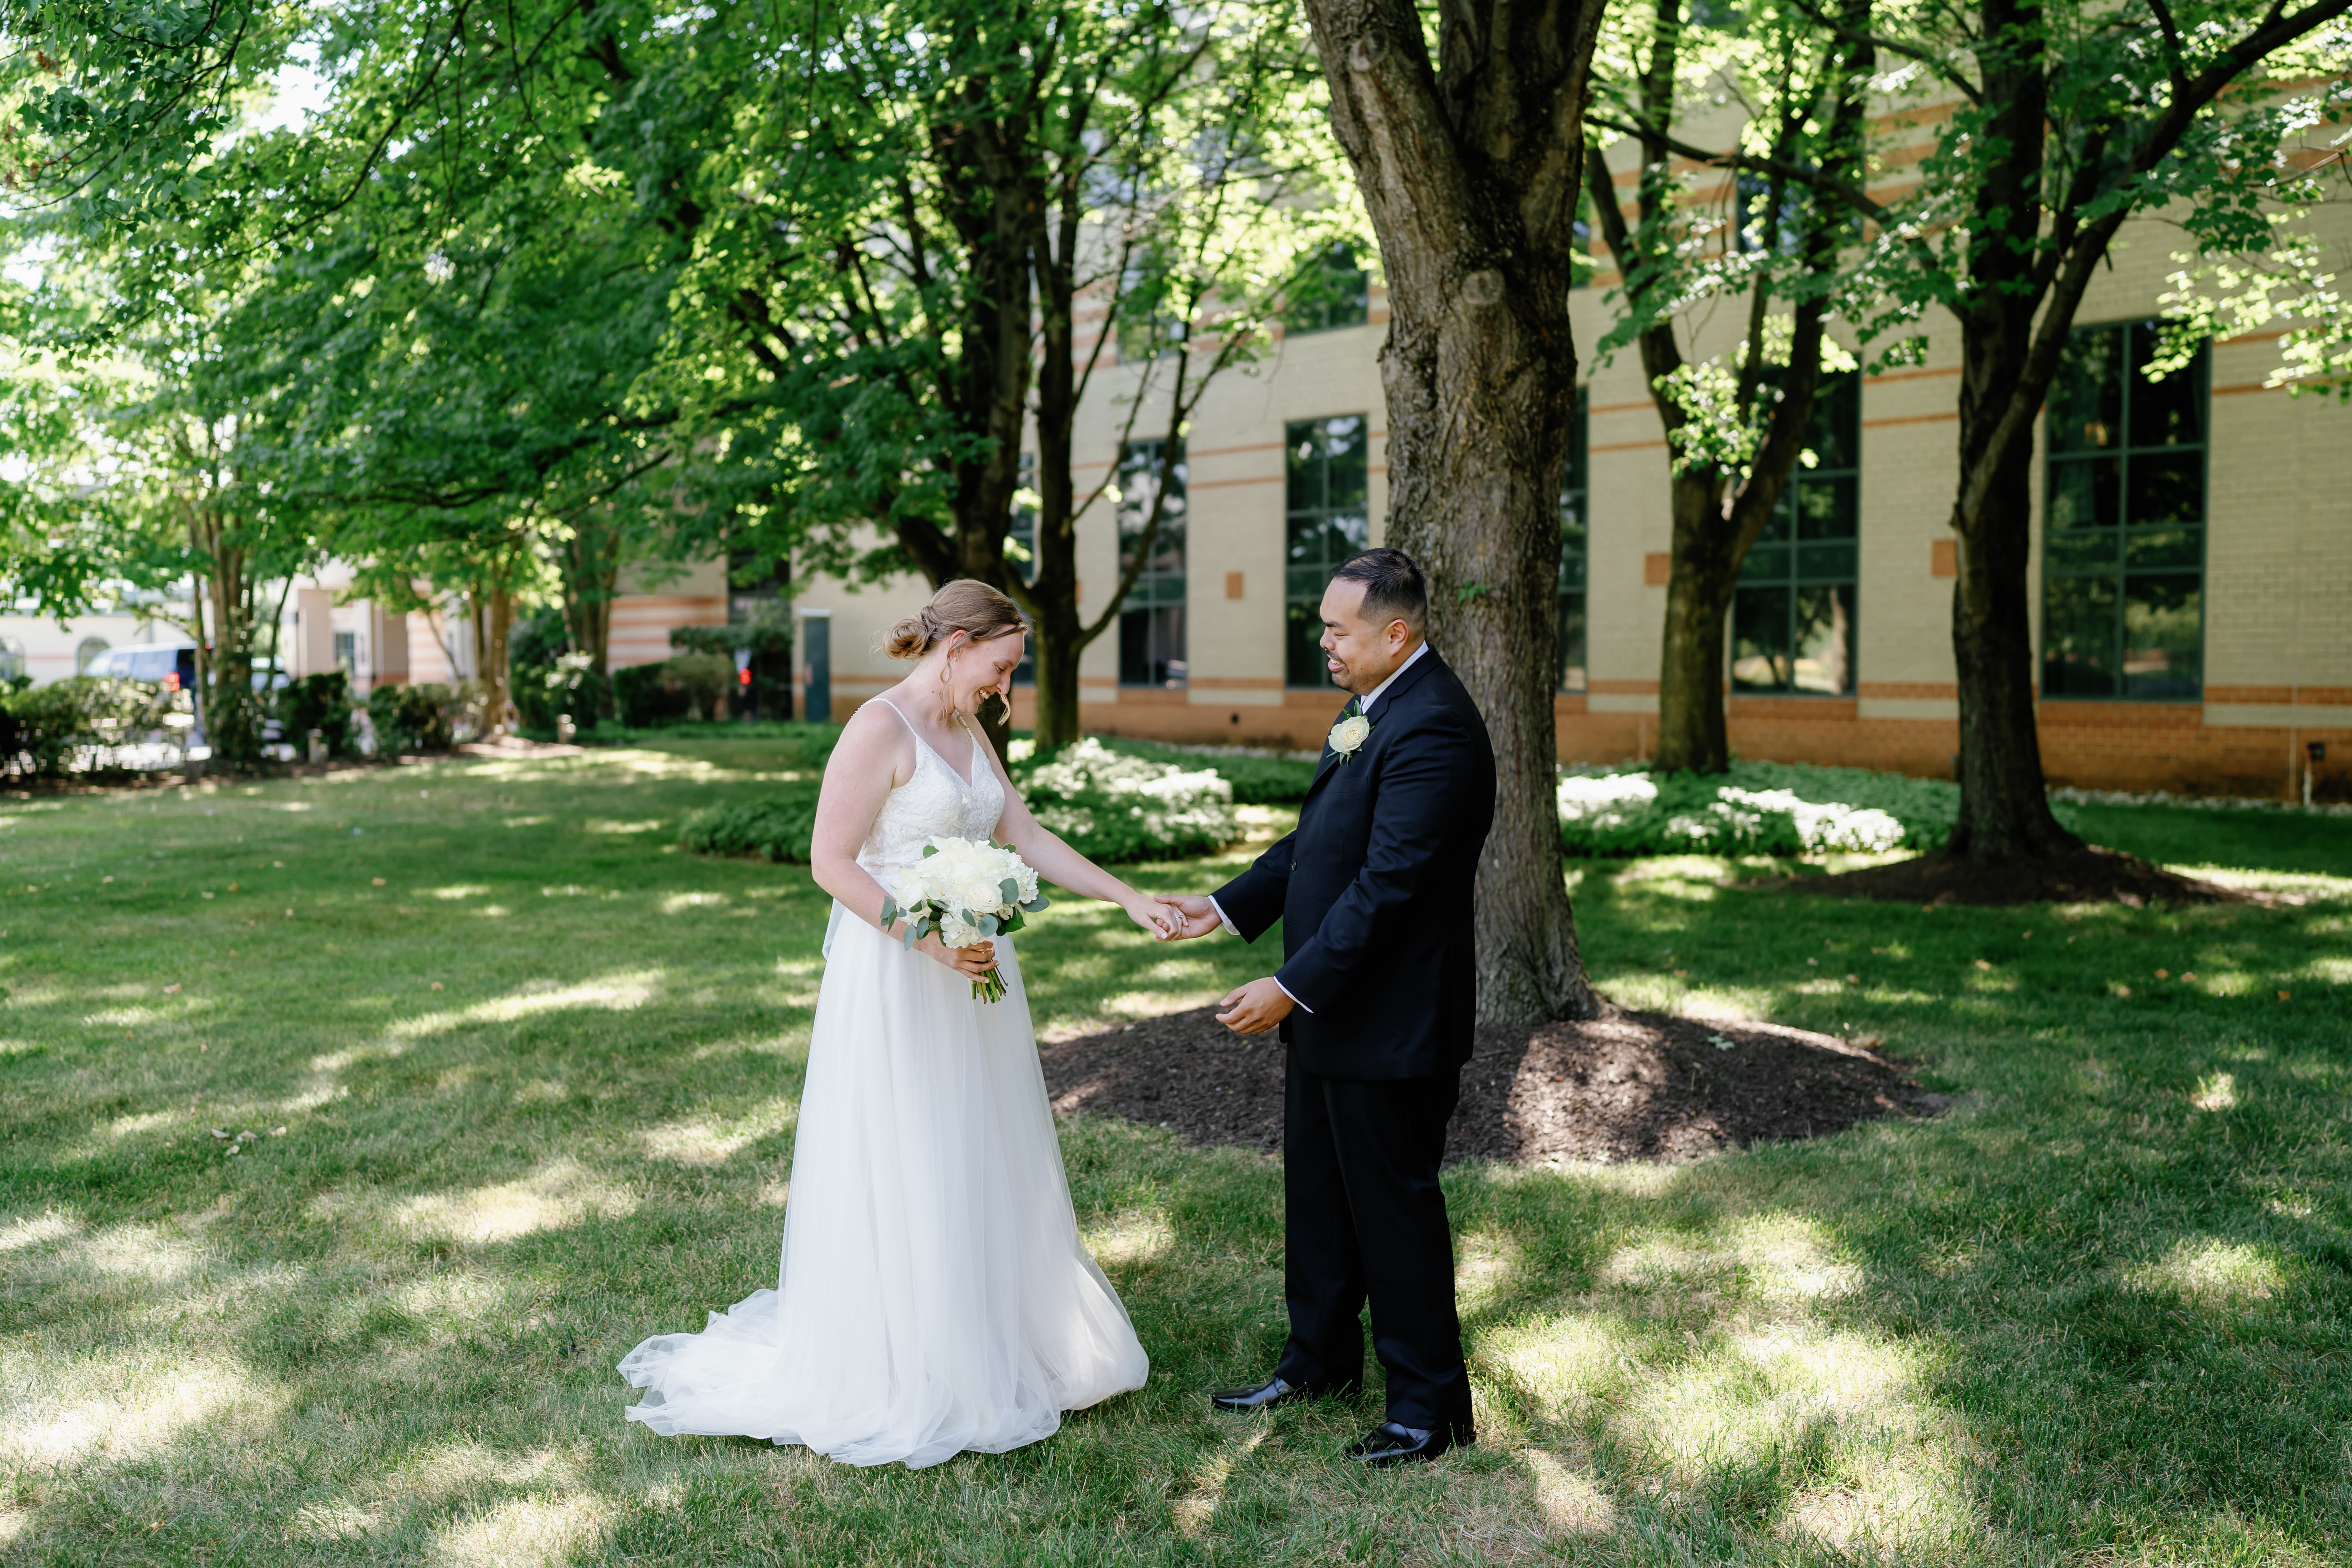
(1374, 890)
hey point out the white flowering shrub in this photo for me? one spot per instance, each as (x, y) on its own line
(1110, 806)
(1760, 808)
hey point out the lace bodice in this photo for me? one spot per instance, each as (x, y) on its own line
(935, 801)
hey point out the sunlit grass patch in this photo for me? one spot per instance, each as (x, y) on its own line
(2212, 1273)
(712, 1140)
(121, 1408)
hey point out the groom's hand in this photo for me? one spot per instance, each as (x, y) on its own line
(1256, 1008)
(1196, 915)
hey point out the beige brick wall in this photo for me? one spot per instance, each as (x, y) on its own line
(2278, 637)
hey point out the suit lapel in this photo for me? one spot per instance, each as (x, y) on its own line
(1405, 681)
(1326, 768)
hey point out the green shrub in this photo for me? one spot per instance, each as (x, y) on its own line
(568, 686)
(766, 641)
(1758, 808)
(44, 729)
(416, 717)
(774, 829)
(691, 685)
(1111, 806)
(1258, 777)
(320, 702)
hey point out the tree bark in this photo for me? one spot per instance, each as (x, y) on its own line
(590, 568)
(2004, 804)
(1051, 596)
(1693, 733)
(492, 666)
(1470, 167)
(231, 711)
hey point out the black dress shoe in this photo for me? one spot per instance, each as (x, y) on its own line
(1266, 1395)
(1390, 1444)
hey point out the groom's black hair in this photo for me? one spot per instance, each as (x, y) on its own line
(1394, 589)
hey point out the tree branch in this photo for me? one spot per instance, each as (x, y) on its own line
(1851, 33)
(1851, 195)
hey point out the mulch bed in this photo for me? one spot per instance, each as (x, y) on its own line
(1633, 1086)
(2088, 876)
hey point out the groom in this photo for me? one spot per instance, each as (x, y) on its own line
(1377, 999)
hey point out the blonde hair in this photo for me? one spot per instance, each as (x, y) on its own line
(964, 605)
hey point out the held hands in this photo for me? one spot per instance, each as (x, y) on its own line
(1188, 915)
(1151, 914)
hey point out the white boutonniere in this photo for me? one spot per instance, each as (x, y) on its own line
(1349, 735)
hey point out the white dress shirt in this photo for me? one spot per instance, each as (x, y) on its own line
(1364, 707)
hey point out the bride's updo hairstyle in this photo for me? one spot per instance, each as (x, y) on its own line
(965, 606)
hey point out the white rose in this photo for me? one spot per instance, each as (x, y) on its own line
(1349, 734)
(980, 893)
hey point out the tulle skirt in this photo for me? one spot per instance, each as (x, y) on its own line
(935, 1297)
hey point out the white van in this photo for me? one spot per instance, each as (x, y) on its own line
(172, 666)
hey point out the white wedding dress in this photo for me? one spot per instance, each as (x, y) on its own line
(934, 1295)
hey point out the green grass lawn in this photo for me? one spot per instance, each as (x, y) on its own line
(537, 1074)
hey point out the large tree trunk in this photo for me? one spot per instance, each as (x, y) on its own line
(1470, 170)
(2004, 804)
(2004, 807)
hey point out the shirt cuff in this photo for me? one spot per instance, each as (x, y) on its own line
(1225, 921)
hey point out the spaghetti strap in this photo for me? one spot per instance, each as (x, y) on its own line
(922, 745)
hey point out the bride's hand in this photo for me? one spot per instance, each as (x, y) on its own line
(1150, 914)
(970, 962)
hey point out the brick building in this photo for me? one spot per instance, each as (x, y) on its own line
(2193, 559)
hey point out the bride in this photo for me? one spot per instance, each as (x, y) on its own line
(934, 1297)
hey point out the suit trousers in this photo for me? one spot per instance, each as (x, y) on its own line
(1365, 1219)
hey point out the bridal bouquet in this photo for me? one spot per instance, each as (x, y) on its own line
(967, 890)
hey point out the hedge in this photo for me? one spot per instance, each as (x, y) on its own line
(777, 829)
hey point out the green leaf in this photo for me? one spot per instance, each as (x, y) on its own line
(1011, 891)
(889, 911)
(1038, 905)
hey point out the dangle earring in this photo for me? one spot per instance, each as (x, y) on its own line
(947, 685)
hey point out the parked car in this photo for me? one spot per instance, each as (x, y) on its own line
(171, 665)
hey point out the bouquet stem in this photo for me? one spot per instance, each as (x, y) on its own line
(989, 987)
